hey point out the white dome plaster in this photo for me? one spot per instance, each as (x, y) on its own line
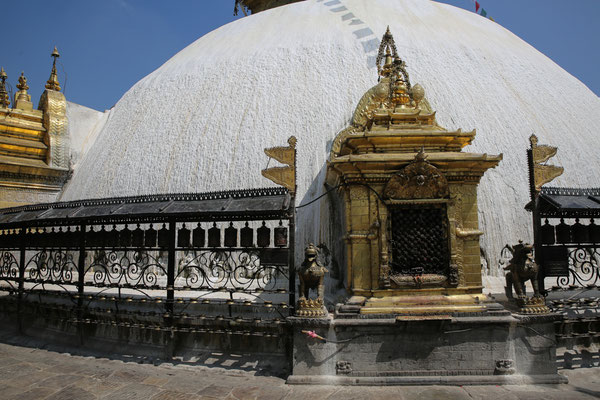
(200, 122)
(84, 126)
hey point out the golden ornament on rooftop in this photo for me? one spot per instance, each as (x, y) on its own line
(22, 85)
(4, 99)
(52, 83)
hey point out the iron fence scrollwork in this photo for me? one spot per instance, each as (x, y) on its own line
(211, 271)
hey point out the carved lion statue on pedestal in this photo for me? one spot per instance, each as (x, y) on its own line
(521, 268)
(312, 276)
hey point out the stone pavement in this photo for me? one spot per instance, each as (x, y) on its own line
(30, 372)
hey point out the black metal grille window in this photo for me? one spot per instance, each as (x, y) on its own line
(419, 240)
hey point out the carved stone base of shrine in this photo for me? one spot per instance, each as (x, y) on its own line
(452, 348)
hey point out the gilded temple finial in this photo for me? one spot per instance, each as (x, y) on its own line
(393, 98)
(22, 85)
(52, 82)
(388, 53)
(4, 99)
(22, 98)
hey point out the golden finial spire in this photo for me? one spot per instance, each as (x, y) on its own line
(52, 82)
(387, 53)
(22, 98)
(4, 99)
(22, 85)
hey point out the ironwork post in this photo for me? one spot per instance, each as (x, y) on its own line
(535, 215)
(291, 257)
(292, 280)
(292, 235)
(22, 249)
(169, 304)
(81, 281)
(537, 246)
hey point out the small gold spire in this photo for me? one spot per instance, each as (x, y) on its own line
(387, 34)
(22, 85)
(385, 62)
(4, 99)
(22, 98)
(52, 83)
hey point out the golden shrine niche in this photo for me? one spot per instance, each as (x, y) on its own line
(410, 196)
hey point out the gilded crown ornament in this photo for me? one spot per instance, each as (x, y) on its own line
(52, 83)
(4, 99)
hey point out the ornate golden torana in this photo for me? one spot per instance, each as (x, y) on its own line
(418, 180)
(394, 158)
(34, 144)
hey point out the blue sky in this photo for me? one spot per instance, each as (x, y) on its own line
(107, 46)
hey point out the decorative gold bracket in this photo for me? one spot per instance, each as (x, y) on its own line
(540, 173)
(284, 176)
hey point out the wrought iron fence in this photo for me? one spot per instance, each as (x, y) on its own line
(216, 262)
(570, 252)
(583, 269)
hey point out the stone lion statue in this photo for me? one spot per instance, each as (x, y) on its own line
(521, 268)
(311, 274)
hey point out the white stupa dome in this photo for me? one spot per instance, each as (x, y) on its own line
(200, 122)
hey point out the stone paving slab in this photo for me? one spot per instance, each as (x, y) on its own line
(34, 373)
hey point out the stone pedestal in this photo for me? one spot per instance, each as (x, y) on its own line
(497, 348)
